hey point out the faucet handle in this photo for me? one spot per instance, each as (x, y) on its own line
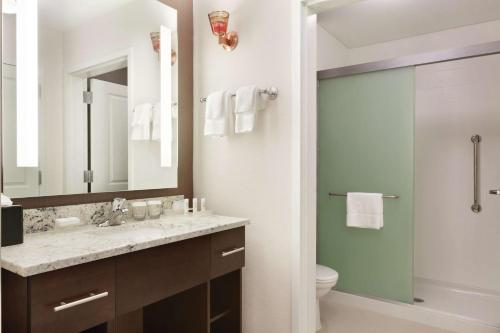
(118, 204)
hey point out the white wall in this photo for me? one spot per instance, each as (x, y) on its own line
(128, 28)
(454, 101)
(51, 110)
(9, 39)
(250, 175)
(331, 52)
(442, 40)
(50, 103)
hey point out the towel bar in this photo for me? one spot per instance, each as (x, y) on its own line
(345, 195)
(272, 94)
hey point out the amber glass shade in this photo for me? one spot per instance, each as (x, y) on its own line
(218, 22)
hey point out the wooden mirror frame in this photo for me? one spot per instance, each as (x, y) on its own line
(185, 166)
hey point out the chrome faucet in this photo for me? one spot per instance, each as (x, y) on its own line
(118, 214)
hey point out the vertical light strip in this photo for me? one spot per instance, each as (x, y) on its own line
(27, 83)
(166, 96)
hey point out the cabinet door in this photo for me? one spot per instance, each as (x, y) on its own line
(366, 139)
(73, 299)
(149, 276)
(228, 252)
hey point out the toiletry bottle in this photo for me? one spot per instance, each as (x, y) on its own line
(195, 206)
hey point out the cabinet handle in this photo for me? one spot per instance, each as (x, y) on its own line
(228, 253)
(90, 298)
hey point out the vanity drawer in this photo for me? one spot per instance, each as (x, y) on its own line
(227, 251)
(148, 276)
(73, 299)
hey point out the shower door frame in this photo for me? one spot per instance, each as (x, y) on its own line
(307, 132)
(467, 52)
(305, 73)
(473, 51)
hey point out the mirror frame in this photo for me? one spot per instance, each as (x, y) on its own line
(185, 149)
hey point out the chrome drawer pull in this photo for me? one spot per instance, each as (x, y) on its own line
(92, 297)
(228, 253)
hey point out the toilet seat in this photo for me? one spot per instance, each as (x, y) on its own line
(325, 275)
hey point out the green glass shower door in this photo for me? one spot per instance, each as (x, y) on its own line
(366, 144)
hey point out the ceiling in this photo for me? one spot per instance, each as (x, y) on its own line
(375, 21)
(66, 14)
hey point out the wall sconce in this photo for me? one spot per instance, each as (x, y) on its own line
(219, 23)
(155, 39)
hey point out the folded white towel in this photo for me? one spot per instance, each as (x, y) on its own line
(141, 122)
(248, 102)
(155, 133)
(217, 113)
(365, 210)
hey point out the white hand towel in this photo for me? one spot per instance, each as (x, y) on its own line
(365, 210)
(248, 102)
(217, 113)
(155, 134)
(141, 122)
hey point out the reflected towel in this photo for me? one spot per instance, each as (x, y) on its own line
(141, 122)
(155, 133)
(365, 210)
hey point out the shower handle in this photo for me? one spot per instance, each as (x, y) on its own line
(495, 192)
(476, 207)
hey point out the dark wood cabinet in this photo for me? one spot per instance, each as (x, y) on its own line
(225, 303)
(190, 286)
(91, 287)
(146, 277)
(227, 252)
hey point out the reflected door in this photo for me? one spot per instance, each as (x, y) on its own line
(109, 136)
(366, 138)
(17, 182)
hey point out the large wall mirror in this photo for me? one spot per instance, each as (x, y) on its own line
(90, 96)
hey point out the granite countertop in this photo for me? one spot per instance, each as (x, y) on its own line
(51, 250)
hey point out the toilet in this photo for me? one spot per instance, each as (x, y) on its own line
(326, 279)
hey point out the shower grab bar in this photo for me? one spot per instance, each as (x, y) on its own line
(385, 196)
(476, 207)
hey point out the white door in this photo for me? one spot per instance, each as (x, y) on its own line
(18, 182)
(109, 136)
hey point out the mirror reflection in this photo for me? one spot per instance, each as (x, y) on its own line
(89, 96)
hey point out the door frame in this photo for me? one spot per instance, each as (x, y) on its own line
(304, 132)
(303, 181)
(76, 78)
(304, 159)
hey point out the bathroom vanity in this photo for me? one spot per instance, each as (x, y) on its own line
(176, 274)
